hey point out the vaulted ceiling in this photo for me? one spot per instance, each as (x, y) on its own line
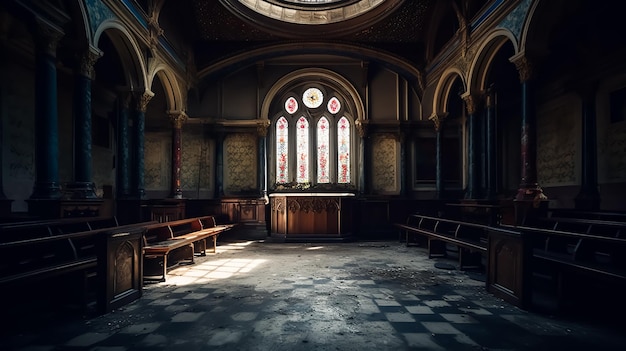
(221, 28)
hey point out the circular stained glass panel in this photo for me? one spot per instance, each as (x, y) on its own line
(291, 105)
(334, 105)
(312, 98)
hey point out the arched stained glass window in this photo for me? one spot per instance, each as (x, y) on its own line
(302, 146)
(343, 150)
(314, 143)
(323, 150)
(282, 150)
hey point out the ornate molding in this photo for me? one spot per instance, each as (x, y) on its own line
(472, 103)
(438, 120)
(524, 67)
(262, 128)
(178, 118)
(143, 100)
(87, 60)
(361, 127)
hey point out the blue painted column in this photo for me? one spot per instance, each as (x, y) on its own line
(177, 119)
(123, 147)
(140, 126)
(529, 189)
(492, 181)
(46, 114)
(83, 187)
(473, 148)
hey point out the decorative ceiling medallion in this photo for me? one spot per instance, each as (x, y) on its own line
(311, 12)
(291, 105)
(334, 105)
(312, 98)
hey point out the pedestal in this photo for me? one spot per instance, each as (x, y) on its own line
(311, 216)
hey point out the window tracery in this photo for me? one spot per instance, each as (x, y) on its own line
(313, 137)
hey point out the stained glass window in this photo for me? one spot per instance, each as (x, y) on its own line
(313, 140)
(302, 152)
(343, 150)
(282, 150)
(323, 150)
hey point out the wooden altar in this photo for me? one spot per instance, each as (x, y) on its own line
(311, 216)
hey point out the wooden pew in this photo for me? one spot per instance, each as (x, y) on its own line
(574, 263)
(581, 225)
(468, 238)
(87, 266)
(37, 229)
(169, 244)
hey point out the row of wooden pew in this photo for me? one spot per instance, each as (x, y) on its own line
(575, 254)
(94, 262)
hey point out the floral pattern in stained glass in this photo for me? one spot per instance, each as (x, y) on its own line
(302, 150)
(291, 105)
(343, 150)
(334, 105)
(282, 150)
(323, 152)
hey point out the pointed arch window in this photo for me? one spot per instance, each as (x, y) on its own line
(313, 141)
(282, 150)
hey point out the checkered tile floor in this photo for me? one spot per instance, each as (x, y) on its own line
(256, 295)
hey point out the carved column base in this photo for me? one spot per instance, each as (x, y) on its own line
(80, 190)
(46, 191)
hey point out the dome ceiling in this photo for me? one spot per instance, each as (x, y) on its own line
(224, 27)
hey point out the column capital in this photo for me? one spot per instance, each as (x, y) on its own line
(47, 37)
(438, 119)
(472, 102)
(178, 118)
(86, 60)
(524, 65)
(143, 100)
(262, 128)
(361, 127)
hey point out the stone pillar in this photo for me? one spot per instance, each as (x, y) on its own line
(492, 180)
(262, 133)
(46, 114)
(123, 147)
(361, 127)
(439, 120)
(529, 189)
(82, 187)
(473, 147)
(140, 123)
(589, 196)
(177, 119)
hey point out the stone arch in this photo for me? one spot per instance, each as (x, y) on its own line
(129, 51)
(488, 49)
(318, 74)
(442, 91)
(171, 86)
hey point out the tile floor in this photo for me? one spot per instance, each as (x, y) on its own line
(254, 294)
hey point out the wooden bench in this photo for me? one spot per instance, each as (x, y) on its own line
(171, 243)
(38, 229)
(469, 238)
(598, 227)
(83, 265)
(572, 262)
